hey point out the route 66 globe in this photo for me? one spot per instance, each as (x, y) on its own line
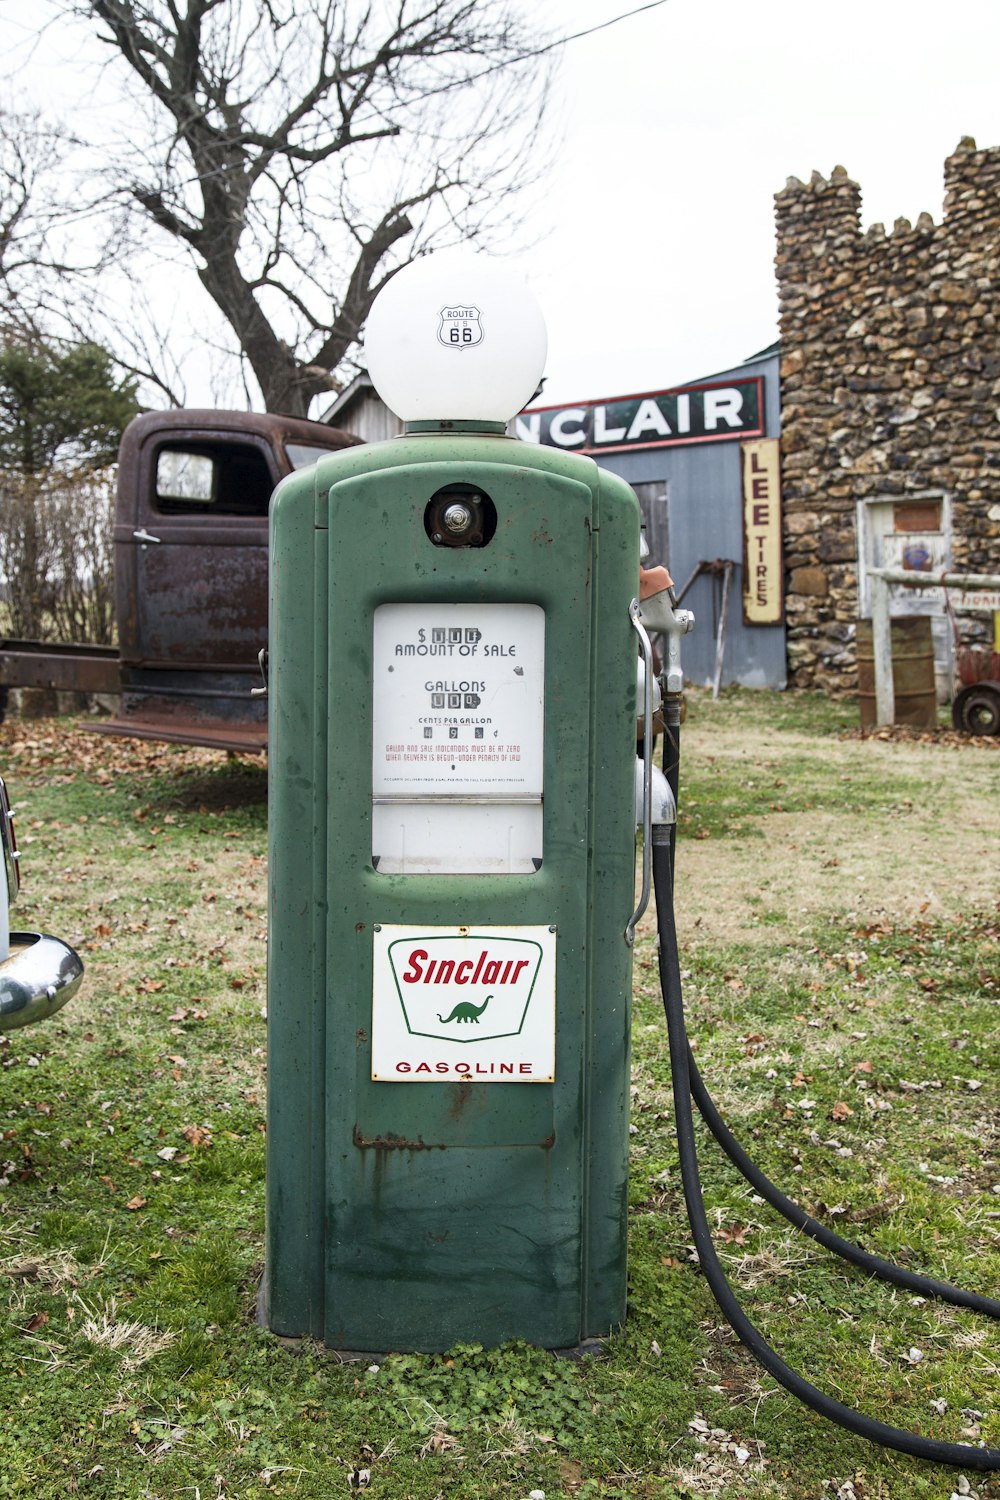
(455, 336)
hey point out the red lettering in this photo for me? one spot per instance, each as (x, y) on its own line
(754, 465)
(422, 969)
(465, 1070)
(412, 974)
(761, 515)
(759, 489)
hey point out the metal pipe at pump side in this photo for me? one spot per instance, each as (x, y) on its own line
(660, 614)
(655, 798)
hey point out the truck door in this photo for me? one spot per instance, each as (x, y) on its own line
(191, 552)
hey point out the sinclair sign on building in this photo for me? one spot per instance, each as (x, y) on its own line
(703, 460)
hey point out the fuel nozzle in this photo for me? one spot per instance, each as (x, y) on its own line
(660, 615)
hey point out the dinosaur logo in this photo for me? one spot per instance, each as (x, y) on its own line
(466, 1012)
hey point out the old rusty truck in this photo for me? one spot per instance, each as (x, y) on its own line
(190, 550)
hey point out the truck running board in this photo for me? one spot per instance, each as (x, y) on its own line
(176, 729)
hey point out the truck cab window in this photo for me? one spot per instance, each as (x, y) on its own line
(232, 479)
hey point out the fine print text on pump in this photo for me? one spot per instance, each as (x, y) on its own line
(462, 732)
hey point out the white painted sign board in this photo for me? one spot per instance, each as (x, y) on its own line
(463, 1004)
(971, 600)
(457, 738)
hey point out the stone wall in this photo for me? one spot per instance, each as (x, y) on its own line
(890, 378)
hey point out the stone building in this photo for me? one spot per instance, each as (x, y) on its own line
(890, 407)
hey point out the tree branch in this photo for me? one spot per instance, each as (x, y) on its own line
(298, 151)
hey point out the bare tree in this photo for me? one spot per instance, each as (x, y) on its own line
(300, 150)
(56, 554)
(36, 226)
(56, 267)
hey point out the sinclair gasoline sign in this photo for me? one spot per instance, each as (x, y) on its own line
(690, 414)
(454, 1004)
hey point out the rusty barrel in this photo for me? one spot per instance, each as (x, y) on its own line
(912, 672)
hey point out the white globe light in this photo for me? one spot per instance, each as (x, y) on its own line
(455, 337)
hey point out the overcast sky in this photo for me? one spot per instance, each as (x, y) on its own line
(653, 241)
(679, 125)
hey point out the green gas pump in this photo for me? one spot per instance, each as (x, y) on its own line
(452, 710)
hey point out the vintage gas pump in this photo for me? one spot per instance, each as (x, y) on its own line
(452, 701)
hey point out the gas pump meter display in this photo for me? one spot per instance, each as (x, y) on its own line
(457, 742)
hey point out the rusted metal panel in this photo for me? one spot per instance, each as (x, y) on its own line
(201, 599)
(68, 668)
(912, 669)
(195, 424)
(191, 575)
(394, 1143)
(191, 707)
(248, 739)
(190, 581)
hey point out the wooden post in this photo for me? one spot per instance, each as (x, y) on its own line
(720, 640)
(885, 696)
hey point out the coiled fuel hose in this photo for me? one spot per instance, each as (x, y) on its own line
(686, 1082)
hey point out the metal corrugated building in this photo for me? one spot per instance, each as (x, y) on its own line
(690, 482)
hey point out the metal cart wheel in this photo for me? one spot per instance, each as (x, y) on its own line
(976, 709)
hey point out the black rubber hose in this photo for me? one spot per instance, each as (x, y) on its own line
(961, 1455)
(887, 1270)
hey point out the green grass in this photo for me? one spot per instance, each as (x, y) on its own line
(851, 1044)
